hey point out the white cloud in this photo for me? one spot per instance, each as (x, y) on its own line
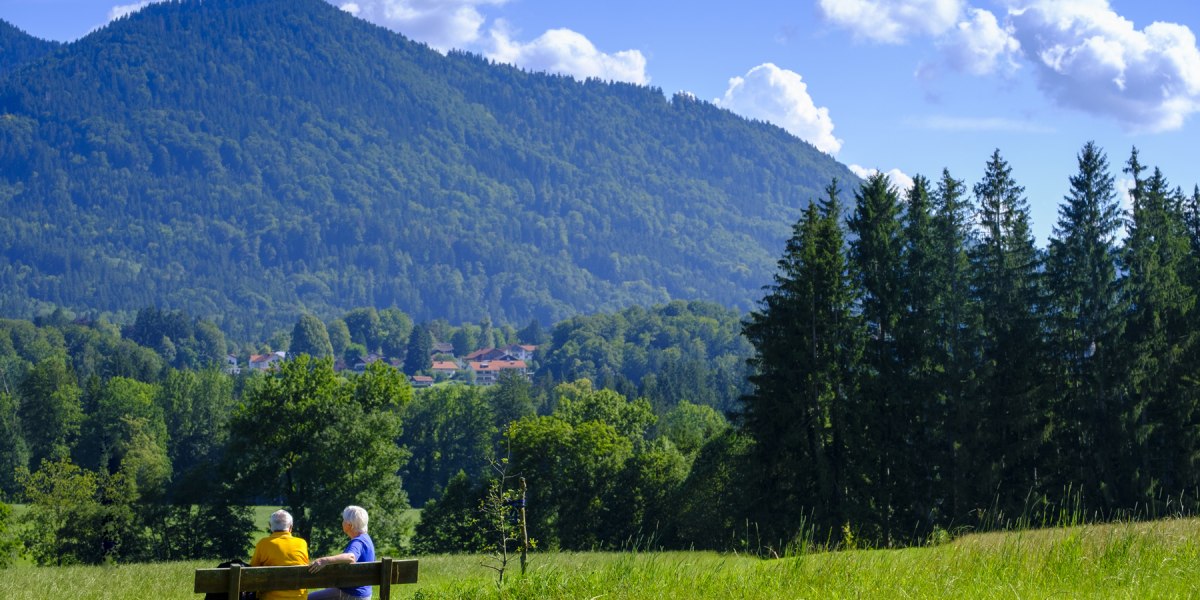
(570, 53)
(124, 10)
(980, 45)
(893, 21)
(898, 179)
(443, 24)
(978, 124)
(1090, 58)
(779, 96)
(447, 24)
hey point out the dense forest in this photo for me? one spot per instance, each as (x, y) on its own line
(18, 47)
(250, 160)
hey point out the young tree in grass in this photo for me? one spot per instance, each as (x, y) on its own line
(1009, 434)
(1085, 321)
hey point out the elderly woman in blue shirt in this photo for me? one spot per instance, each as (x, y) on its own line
(359, 549)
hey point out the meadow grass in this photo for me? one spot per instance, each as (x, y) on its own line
(1159, 559)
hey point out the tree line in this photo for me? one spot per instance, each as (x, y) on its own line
(131, 443)
(920, 365)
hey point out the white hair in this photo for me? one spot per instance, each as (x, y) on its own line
(356, 516)
(281, 520)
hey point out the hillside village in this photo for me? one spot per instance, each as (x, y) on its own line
(480, 367)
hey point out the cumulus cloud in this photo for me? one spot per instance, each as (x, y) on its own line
(570, 53)
(780, 96)
(1090, 58)
(979, 45)
(898, 179)
(893, 21)
(443, 24)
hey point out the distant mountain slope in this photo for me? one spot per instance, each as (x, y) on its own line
(247, 160)
(18, 47)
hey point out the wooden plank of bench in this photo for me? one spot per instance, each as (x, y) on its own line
(265, 579)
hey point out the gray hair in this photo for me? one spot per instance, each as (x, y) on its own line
(356, 516)
(281, 520)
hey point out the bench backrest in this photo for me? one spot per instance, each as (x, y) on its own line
(383, 573)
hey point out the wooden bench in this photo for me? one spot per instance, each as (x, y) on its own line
(383, 573)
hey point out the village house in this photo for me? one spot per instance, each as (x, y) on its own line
(445, 368)
(488, 372)
(231, 364)
(262, 362)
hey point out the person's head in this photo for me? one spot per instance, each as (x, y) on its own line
(281, 520)
(356, 518)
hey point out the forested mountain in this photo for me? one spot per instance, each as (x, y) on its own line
(249, 160)
(18, 47)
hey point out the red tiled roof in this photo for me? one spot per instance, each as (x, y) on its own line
(497, 365)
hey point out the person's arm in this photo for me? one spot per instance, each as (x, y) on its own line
(320, 563)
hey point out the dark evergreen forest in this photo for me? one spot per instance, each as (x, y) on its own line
(251, 160)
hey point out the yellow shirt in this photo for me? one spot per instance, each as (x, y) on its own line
(280, 549)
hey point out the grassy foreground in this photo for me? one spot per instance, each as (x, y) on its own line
(1147, 560)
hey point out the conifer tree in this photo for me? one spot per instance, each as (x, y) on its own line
(1084, 321)
(804, 337)
(886, 416)
(958, 332)
(420, 350)
(922, 360)
(1160, 339)
(1011, 427)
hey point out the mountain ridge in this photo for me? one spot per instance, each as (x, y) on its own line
(248, 160)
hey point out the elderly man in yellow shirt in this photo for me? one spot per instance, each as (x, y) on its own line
(280, 549)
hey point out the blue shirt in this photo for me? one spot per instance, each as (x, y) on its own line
(363, 550)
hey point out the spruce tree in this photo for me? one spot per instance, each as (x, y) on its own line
(1012, 421)
(804, 336)
(922, 359)
(886, 415)
(420, 350)
(957, 332)
(1084, 322)
(1160, 338)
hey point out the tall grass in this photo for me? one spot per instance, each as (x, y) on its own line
(1159, 559)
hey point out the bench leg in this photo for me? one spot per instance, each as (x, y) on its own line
(235, 581)
(385, 585)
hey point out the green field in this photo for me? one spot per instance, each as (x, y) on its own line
(1149, 560)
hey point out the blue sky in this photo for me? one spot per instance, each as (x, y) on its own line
(910, 86)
